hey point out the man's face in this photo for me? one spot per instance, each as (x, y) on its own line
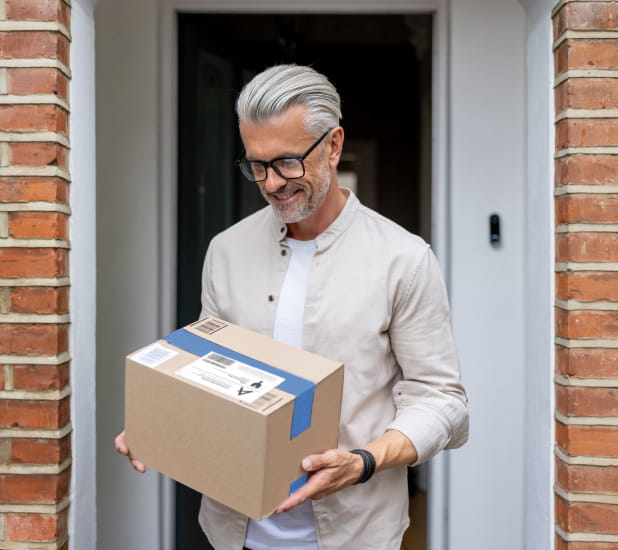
(285, 136)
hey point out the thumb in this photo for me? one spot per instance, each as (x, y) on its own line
(313, 463)
(307, 463)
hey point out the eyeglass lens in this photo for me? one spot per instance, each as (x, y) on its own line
(288, 168)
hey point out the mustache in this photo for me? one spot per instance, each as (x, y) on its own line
(289, 187)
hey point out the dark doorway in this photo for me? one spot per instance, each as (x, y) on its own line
(381, 66)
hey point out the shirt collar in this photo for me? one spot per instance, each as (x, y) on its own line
(279, 229)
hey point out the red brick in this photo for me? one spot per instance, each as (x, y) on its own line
(41, 10)
(34, 489)
(34, 44)
(37, 80)
(563, 545)
(587, 93)
(587, 517)
(40, 377)
(587, 170)
(581, 132)
(582, 401)
(586, 324)
(38, 154)
(587, 247)
(33, 189)
(561, 511)
(39, 299)
(562, 399)
(586, 209)
(64, 15)
(587, 440)
(587, 286)
(587, 479)
(28, 118)
(40, 451)
(36, 527)
(585, 16)
(587, 362)
(38, 225)
(559, 544)
(33, 339)
(33, 262)
(1, 377)
(34, 415)
(586, 54)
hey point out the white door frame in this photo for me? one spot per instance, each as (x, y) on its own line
(167, 169)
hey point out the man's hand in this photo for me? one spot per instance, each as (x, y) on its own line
(122, 448)
(335, 469)
(329, 472)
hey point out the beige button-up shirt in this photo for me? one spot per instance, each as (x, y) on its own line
(376, 302)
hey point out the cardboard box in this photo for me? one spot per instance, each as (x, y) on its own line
(231, 413)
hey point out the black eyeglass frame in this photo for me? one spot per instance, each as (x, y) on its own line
(270, 164)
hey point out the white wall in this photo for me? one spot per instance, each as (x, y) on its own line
(127, 261)
(539, 461)
(82, 513)
(487, 175)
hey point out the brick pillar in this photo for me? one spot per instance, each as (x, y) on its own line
(586, 206)
(35, 453)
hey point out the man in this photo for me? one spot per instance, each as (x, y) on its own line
(318, 270)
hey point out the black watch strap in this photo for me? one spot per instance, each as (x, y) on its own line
(369, 465)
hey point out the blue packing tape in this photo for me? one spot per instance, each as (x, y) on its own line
(302, 389)
(298, 483)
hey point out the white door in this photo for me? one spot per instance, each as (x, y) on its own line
(487, 176)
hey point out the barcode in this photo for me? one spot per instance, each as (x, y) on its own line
(209, 325)
(154, 355)
(265, 402)
(220, 360)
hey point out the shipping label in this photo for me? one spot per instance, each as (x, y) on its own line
(154, 355)
(230, 377)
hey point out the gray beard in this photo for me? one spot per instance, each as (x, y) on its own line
(294, 213)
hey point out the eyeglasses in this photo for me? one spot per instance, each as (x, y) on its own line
(288, 168)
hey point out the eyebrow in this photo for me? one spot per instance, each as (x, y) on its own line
(302, 156)
(281, 156)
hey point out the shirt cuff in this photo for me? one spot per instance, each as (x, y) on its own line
(431, 430)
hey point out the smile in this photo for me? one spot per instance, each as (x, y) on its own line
(285, 193)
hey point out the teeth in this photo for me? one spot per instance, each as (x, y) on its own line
(285, 196)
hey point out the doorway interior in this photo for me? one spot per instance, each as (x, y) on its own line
(381, 64)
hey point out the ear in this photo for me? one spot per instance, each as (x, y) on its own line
(336, 147)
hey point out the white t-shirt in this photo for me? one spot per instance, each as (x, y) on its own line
(297, 525)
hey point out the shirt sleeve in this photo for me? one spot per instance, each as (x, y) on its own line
(209, 306)
(430, 399)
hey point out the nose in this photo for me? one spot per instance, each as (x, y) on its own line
(273, 180)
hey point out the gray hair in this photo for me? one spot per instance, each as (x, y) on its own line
(277, 88)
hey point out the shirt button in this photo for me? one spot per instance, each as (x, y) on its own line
(284, 252)
(282, 229)
(271, 298)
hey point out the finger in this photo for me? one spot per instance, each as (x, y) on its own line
(288, 504)
(120, 444)
(122, 448)
(137, 465)
(295, 499)
(327, 459)
(318, 485)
